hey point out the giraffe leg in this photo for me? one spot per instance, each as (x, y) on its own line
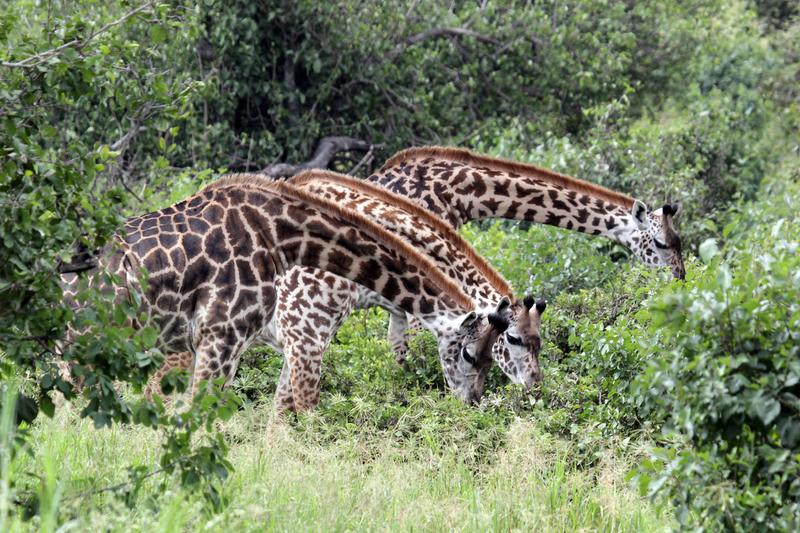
(215, 356)
(310, 310)
(305, 364)
(182, 361)
(398, 340)
(284, 399)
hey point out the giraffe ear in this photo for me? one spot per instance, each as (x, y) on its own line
(528, 301)
(467, 320)
(639, 214)
(502, 305)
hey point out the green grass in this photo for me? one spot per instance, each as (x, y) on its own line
(288, 479)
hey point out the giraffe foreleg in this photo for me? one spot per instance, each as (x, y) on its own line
(398, 340)
(217, 355)
(172, 361)
(299, 386)
(399, 326)
(310, 309)
(284, 400)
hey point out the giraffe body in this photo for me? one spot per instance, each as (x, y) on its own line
(212, 261)
(313, 306)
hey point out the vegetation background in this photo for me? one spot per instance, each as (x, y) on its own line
(664, 405)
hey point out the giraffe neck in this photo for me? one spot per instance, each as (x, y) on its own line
(298, 229)
(461, 187)
(428, 233)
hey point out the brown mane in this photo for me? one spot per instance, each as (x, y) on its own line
(462, 155)
(247, 180)
(439, 225)
(386, 238)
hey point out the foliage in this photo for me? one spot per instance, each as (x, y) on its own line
(88, 99)
(694, 101)
(281, 75)
(707, 145)
(546, 261)
(728, 385)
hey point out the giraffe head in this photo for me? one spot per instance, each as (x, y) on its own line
(517, 351)
(655, 241)
(466, 351)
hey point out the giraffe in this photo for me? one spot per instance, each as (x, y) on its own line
(212, 260)
(460, 186)
(441, 243)
(311, 307)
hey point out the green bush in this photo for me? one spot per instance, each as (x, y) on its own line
(728, 381)
(90, 104)
(280, 75)
(545, 261)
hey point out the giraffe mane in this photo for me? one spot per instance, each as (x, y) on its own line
(462, 155)
(382, 235)
(244, 179)
(415, 210)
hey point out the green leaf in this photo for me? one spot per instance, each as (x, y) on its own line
(708, 249)
(158, 34)
(149, 335)
(46, 405)
(766, 409)
(789, 430)
(120, 316)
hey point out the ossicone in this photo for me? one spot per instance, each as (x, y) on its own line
(529, 302)
(499, 322)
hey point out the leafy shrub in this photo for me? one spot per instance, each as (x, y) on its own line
(280, 75)
(545, 261)
(728, 382)
(90, 103)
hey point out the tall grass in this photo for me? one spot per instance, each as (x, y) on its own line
(287, 480)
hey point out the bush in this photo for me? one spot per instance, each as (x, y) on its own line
(280, 75)
(90, 103)
(728, 382)
(545, 261)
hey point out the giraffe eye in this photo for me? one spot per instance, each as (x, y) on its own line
(660, 245)
(513, 339)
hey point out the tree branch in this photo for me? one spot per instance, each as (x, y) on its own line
(327, 148)
(434, 33)
(38, 59)
(366, 160)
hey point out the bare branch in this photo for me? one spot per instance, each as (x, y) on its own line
(81, 265)
(366, 160)
(38, 59)
(326, 149)
(122, 143)
(434, 33)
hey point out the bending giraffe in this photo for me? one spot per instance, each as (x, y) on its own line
(212, 261)
(460, 186)
(308, 315)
